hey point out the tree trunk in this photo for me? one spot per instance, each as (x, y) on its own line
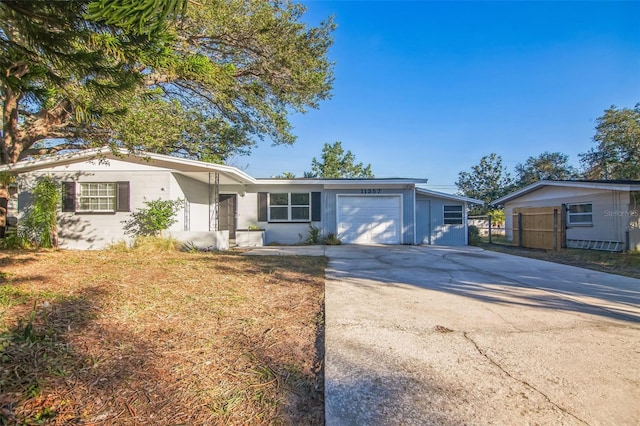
(9, 125)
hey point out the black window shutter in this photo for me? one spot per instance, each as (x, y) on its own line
(68, 196)
(262, 206)
(316, 206)
(122, 197)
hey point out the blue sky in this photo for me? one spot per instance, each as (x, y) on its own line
(424, 89)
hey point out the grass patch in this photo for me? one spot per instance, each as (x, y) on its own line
(137, 337)
(627, 264)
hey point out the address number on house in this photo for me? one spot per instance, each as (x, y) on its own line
(370, 191)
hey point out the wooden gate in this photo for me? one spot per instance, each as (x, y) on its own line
(539, 227)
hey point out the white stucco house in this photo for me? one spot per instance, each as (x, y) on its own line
(101, 189)
(601, 214)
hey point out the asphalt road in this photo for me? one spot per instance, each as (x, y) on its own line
(450, 336)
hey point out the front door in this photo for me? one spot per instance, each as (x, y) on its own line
(227, 212)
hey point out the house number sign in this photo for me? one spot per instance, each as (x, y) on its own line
(370, 191)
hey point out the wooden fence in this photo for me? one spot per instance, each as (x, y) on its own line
(539, 227)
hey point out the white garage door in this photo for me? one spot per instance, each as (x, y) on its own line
(369, 219)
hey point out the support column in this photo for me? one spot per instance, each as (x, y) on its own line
(214, 201)
(187, 215)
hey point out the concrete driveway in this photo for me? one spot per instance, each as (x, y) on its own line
(450, 336)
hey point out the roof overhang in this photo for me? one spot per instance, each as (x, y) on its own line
(341, 183)
(187, 167)
(452, 197)
(607, 186)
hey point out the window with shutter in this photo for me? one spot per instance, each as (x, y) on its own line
(96, 197)
(289, 207)
(68, 196)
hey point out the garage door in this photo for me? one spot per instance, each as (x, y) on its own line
(369, 219)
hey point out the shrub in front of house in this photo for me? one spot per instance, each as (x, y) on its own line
(474, 235)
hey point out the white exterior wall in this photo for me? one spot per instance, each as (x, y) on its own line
(275, 232)
(248, 210)
(196, 203)
(610, 221)
(78, 230)
(430, 222)
(90, 231)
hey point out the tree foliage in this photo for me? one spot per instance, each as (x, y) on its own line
(335, 163)
(546, 166)
(617, 151)
(286, 175)
(206, 81)
(136, 16)
(486, 181)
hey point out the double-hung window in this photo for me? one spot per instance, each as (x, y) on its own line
(580, 214)
(453, 215)
(289, 207)
(97, 197)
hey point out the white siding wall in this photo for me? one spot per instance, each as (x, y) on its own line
(248, 210)
(430, 222)
(608, 223)
(281, 233)
(196, 197)
(95, 230)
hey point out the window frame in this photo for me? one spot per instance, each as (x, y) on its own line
(289, 207)
(456, 211)
(69, 202)
(79, 197)
(570, 215)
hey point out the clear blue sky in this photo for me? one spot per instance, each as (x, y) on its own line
(424, 89)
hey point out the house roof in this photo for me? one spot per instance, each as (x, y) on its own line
(611, 185)
(444, 195)
(187, 167)
(199, 170)
(340, 182)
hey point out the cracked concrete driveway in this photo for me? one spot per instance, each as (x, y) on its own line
(428, 335)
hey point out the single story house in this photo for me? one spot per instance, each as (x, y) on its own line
(599, 214)
(222, 204)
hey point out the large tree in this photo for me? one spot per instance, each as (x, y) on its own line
(487, 181)
(335, 163)
(546, 166)
(205, 84)
(617, 151)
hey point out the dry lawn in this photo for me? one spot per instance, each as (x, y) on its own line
(133, 338)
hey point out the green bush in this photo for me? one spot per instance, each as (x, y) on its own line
(331, 240)
(39, 226)
(149, 221)
(313, 237)
(15, 242)
(474, 235)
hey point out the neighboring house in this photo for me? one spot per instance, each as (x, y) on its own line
(598, 214)
(101, 189)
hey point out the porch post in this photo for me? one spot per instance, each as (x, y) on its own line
(214, 199)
